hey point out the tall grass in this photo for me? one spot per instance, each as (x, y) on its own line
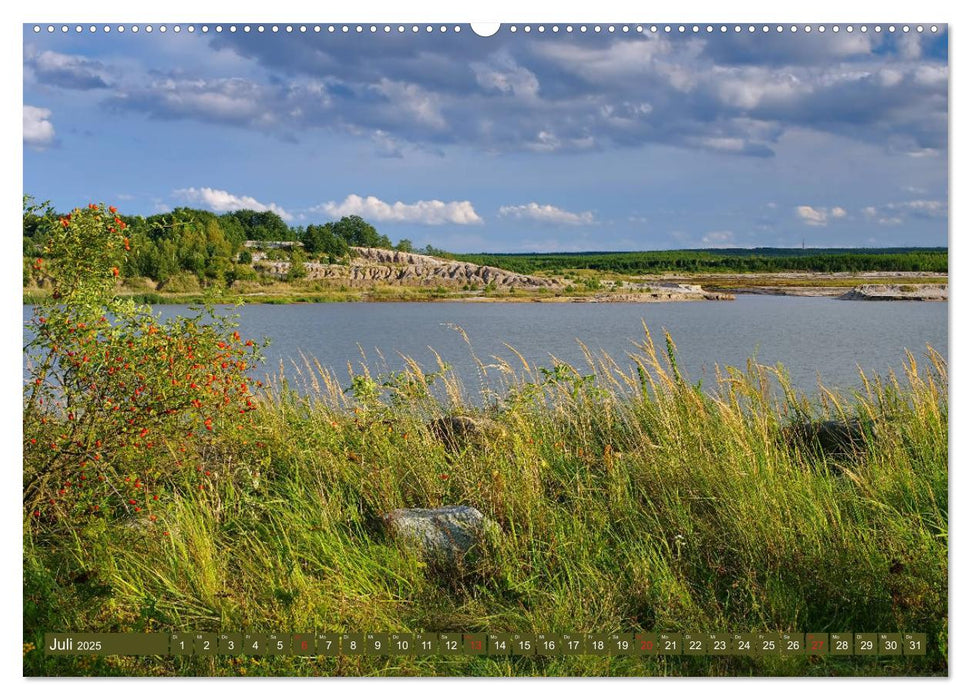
(628, 500)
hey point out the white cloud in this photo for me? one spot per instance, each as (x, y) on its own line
(431, 211)
(746, 89)
(718, 239)
(722, 143)
(909, 46)
(931, 75)
(66, 71)
(38, 130)
(924, 207)
(546, 213)
(502, 74)
(811, 215)
(223, 201)
(819, 216)
(547, 141)
(421, 104)
(617, 61)
(894, 213)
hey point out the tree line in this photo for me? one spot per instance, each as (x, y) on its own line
(212, 246)
(734, 260)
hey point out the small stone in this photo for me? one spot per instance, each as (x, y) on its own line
(445, 536)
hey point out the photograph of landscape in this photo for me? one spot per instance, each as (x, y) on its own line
(550, 350)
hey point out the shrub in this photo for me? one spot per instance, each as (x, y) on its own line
(140, 284)
(297, 269)
(182, 283)
(116, 397)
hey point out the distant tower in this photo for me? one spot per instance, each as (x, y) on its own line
(803, 243)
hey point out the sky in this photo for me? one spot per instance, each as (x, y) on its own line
(539, 141)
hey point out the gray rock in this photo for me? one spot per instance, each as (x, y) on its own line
(834, 437)
(447, 536)
(457, 432)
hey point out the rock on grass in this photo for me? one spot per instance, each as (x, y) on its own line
(459, 432)
(448, 536)
(837, 438)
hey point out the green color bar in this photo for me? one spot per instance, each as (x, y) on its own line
(211, 644)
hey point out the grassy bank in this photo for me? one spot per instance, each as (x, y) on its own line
(628, 501)
(311, 293)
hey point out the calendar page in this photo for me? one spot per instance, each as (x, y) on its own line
(516, 349)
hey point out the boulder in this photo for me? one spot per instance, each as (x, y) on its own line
(834, 437)
(445, 536)
(458, 432)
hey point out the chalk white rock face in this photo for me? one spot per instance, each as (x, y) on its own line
(443, 535)
(890, 292)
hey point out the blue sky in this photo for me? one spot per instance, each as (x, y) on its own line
(515, 142)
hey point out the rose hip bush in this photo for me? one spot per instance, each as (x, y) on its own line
(117, 402)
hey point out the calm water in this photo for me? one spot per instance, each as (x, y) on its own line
(817, 339)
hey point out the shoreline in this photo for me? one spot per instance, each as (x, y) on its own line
(660, 289)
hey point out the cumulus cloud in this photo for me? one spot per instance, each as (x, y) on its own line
(925, 208)
(222, 100)
(430, 212)
(733, 94)
(789, 49)
(501, 73)
(421, 104)
(894, 213)
(616, 61)
(718, 239)
(38, 129)
(223, 201)
(819, 216)
(546, 213)
(65, 70)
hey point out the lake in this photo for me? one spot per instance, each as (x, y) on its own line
(818, 339)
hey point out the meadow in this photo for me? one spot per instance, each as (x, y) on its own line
(626, 502)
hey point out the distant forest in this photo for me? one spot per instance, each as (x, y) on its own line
(210, 247)
(724, 260)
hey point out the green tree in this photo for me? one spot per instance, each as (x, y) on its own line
(260, 226)
(298, 267)
(322, 241)
(358, 232)
(233, 230)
